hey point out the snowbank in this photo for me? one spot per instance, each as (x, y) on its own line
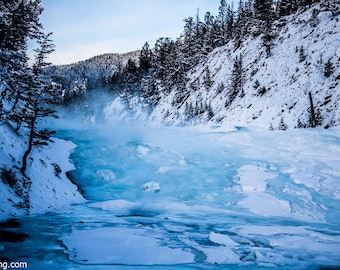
(47, 166)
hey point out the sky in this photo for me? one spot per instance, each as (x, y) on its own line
(85, 28)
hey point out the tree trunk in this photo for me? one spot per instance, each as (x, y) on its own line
(312, 112)
(30, 142)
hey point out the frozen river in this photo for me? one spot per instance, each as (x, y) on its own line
(194, 198)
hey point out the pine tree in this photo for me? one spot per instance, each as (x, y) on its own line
(225, 23)
(263, 10)
(130, 71)
(287, 7)
(209, 111)
(331, 5)
(265, 15)
(302, 56)
(209, 33)
(207, 81)
(329, 68)
(237, 79)
(282, 125)
(145, 57)
(193, 48)
(38, 99)
(19, 21)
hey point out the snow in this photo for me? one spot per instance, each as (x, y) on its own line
(151, 186)
(48, 192)
(228, 193)
(221, 239)
(252, 178)
(287, 80)
(220, 255)
(122, 246)
(106, 174)
(253, 181)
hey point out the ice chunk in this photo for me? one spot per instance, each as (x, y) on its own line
(221, 239)
(151, 186)
(117, 205)
(112, 245)
(105, 174)
(253, 182)
(163, 170)
(253, 178)
(142, 150)
(266, 204)
(221, 254)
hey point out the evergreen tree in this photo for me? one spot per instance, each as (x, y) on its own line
(264, 13)
(220, 88)
(189, 49)
(225, 22)
(19, 21)
(209, 111)
(161, 63)
(315, 118)
(264, 10)
(209, 33)
(145, 57)
(27, 91)
(329, 68)
(331, 5)
(207, 79)
(39, 96)
(130, 71)
(287, 7)
(302, 56)
(237, 79)
(282, 125)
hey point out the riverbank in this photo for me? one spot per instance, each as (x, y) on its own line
(50, 188)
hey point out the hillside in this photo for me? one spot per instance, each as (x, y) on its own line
(275, 87)
(304, 58)
(46, 187)
(92, 73)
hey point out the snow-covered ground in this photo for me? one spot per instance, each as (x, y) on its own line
(207, 197)
(48, 191)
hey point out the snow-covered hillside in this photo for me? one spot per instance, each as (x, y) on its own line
(276, 87)
(79, 77)
(49, 188)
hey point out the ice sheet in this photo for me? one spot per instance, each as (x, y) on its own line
(122, 246)
(241, 198)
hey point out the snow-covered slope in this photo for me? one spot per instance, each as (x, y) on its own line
(286, 78)
(85, 75)
(50, 188)
(276, 87)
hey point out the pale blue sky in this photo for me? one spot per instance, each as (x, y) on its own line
(84, 28)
